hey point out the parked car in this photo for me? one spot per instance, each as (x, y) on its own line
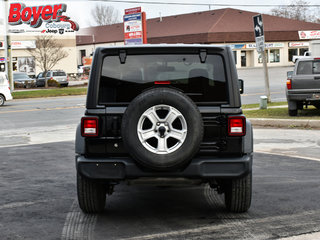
(5, 94)
(60, 76)
(22, 79)
(164, 114)
(303, 85)
(306, 54)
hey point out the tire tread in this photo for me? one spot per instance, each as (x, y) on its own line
(238, 194)
(91, 195)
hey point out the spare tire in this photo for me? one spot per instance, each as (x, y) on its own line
(162, 129)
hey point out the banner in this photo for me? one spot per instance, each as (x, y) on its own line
(309, 34)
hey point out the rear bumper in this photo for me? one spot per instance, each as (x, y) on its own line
(126, 168)
(298, 95)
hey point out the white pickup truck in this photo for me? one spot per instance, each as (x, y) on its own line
(296, 57)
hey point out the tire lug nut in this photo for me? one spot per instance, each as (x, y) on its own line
(158, 124)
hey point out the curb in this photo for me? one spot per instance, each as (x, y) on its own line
(284, 123)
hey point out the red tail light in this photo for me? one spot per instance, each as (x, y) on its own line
(51, 78)
(289, 84)
(89, 126)
(237, 126)
(162, 82)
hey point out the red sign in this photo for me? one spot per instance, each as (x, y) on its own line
(133, 35)
(132, 10)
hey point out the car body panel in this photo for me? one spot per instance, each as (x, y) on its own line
(4, 87)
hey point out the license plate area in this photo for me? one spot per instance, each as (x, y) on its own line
(316, 96)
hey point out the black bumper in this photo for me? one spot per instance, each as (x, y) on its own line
(126, 168)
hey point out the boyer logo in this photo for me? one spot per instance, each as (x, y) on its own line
(35, 16)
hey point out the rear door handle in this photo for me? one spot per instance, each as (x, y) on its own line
(316, 78)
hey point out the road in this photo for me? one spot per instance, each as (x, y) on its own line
(254, 84)
(38, 194)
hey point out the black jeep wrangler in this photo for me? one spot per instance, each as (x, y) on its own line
(159, 113)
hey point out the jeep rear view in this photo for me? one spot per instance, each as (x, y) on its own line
(161, 114)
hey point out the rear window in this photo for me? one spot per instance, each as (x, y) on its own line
(202, 82)
(59, 74)
(308, 67)
(19, 76)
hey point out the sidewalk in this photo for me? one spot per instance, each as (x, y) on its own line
(284, 123)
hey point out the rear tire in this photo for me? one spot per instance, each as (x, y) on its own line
(91, 195)
(238, 193)
(293, 112)
(2, 100)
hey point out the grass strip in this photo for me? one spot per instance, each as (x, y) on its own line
(256, 105)
(49, 93)
(282, 113)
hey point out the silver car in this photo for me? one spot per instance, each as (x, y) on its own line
(60, 76)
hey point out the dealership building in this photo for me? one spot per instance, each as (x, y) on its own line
(229, 26)
(22, 61)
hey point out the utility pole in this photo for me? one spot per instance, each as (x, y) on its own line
(7, 46)
(266, 76)
(259, 37)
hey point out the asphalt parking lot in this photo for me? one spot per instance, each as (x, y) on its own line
(38, 202)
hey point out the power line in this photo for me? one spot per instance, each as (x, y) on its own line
(210, 4)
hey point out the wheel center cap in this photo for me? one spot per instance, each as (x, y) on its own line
(162, 130)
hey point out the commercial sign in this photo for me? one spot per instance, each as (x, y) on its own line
(132, 10)
(86, 61)
(21, 44)
(43, 19)
(134, 26)
(309, 34)
(298, 44)
(238, 46)
(266, 45)
(258, 32)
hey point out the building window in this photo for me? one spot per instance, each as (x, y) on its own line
(274, 55)
(243, 58)
(292, 52)
(82, 54)
(260, 57)
(235, 56)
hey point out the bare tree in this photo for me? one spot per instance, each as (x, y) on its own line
(47, 53)
(105, 15)
(297, 10)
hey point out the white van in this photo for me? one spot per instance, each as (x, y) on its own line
(5, 94)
